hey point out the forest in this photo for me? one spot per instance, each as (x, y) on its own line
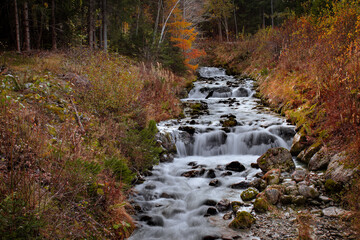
(84, 83)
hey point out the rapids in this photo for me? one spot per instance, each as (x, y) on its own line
(173, 206)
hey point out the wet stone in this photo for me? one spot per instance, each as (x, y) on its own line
(235, 166)
(215, 183)
(240, 185)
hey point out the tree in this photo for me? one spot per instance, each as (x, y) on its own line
(91, 24)
(220, 10)
(27, 27)
(17, 27)
(53, 25)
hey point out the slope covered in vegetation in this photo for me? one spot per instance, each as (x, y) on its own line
(309, 70)
(75, 130)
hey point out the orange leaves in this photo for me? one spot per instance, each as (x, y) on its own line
(183, 35)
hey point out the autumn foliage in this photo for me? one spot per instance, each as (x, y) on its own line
(309, 70)
(183, 35)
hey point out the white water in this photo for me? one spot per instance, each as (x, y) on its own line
(175, 204)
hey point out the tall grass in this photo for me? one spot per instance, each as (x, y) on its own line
(75, 128)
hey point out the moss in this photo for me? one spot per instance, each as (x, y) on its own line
(261, 205)
(249, 194)
(229, 123)
(332, 187)
(242, 220)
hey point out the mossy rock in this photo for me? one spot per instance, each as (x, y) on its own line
(242, 220)
(261, 205)
(235, 205)
(332, 187)
(306, 155)
(249, 194)
(276, 158)
(299, 142)
(229, 123)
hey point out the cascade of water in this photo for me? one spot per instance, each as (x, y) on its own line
(223, 123)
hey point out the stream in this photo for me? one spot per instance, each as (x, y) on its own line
(223, 123)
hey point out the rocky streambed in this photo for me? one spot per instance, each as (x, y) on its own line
(232, 169)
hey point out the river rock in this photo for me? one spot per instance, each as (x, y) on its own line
(259, 184)
(241, 92)
(308, 191)
(254, 165)
(320, 160)
(242, 220)
(306, 154)
(272, 177)
(334, 212)
(235, 166)
(227, 215)
(299, 143)
(240, 185)
(338, 171)
(187, 129)
(299, 175)
(228, 173)
(211, 211)
(223, 205)
(299, 200)
(249, 194)
(210, 202)
(276, 158)
(235, 205)
(211, 173)
(261, 205)
(215, 183)
(193, 173)
(153, 220)
(272, 195)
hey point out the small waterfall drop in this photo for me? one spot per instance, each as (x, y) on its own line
(223, 123)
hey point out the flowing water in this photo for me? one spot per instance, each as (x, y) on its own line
(174, 206)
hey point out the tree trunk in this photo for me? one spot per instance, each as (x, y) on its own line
(17, 28)
(105, 25)
(235, 21)
(220, 31)
(27, 28)
(226, 29)
(91, 24)
(40, 31)
(272, 13)
(167, 19)
(53, 25)
(157, 21)
(138, 19)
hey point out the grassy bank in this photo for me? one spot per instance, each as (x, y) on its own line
(75, 129)
(308, 70)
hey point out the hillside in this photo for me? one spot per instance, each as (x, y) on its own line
(76, 129)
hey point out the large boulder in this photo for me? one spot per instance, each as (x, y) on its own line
(338, 171)
(276, 158)
(242, 220)
(306, 154)
(299, 143)
(320, 160)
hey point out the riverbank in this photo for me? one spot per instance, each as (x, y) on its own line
(308, 71)
(76, 129)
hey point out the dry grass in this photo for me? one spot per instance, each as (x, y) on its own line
(69, 146)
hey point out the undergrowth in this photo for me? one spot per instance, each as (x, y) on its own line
(309, 70)
(75, 129)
